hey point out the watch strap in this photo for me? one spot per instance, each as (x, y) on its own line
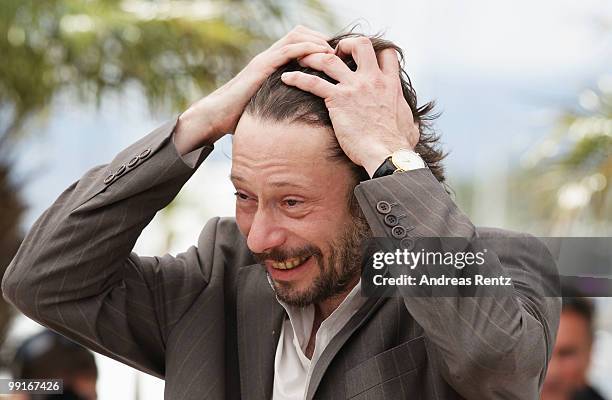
(386, 168)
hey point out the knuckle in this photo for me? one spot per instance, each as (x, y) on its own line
(379, 82)
(391, 52)
(362, 40)
(332, 101)
(292, 36)
(344, 42)
(323, 43)
(285, 49)
(328, 59)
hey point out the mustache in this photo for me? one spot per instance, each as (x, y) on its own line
(279, 255)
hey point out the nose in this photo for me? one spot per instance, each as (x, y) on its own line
(265, 233)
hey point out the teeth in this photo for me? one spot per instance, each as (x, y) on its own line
(289, 264)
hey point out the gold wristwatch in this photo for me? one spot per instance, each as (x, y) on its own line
(401, 160)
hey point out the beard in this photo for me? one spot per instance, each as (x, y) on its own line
(336, 273)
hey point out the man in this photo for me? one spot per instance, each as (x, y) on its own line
(566, 378)
(48, 355)
(269, 305)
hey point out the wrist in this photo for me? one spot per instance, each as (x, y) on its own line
(387, 160)
(375, 159)
(378, 153)
(194, 130)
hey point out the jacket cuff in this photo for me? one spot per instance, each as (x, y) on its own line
(411, 204)
(150, 161)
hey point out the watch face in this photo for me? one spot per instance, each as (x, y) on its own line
(407, 160)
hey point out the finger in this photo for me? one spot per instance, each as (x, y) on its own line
(297, 37)
(312, 32)
(297, 50)
(360, 48)
(388, 61)
(309, 83)
(331, 64)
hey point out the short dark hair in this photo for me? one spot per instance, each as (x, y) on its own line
(277, 101)
(50, 355)
(574, 300)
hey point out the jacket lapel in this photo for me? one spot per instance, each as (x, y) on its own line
(361, 316)
(260, 317)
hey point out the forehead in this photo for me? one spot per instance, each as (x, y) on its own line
(296, 151)
(283, 139)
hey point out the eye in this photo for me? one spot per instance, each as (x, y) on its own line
(241, 196)
(291, 203)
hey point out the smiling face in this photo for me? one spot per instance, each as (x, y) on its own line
(292, 206)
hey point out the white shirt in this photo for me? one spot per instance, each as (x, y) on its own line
(292, 369)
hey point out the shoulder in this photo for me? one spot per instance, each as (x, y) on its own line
(526, 257)
(491, 232)
(510, 240)
(221, 239)
(522, 254)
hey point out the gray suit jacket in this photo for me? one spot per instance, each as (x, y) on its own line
(208, 322)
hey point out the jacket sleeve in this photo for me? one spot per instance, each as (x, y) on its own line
(496, 341)
(75, 272)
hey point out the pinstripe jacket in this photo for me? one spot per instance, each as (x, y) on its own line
(208, 322)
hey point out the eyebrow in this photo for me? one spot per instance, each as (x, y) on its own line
(275, 184)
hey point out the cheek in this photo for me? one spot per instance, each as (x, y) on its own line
(321, 231)
(573, 367)
(244, 221)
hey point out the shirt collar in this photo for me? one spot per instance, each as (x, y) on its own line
(301, 317)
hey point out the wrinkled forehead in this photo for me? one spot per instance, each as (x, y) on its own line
(268, 152)
(258, 140)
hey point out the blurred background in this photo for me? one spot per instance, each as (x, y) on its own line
(524, 89)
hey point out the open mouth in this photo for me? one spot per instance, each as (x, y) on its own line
(290, 263)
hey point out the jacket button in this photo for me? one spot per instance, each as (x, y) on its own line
(144, 154)
(109, 179)
(120, 170)
(391, 220)
(383, 207)
(398, 232)
(133, 162)
(407, 243)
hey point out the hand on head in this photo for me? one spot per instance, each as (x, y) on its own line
(370, 116)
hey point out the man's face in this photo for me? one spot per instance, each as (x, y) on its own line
(292, 206)
(570, 359)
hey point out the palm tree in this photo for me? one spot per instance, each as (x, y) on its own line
(174, 51)
(573, 167)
